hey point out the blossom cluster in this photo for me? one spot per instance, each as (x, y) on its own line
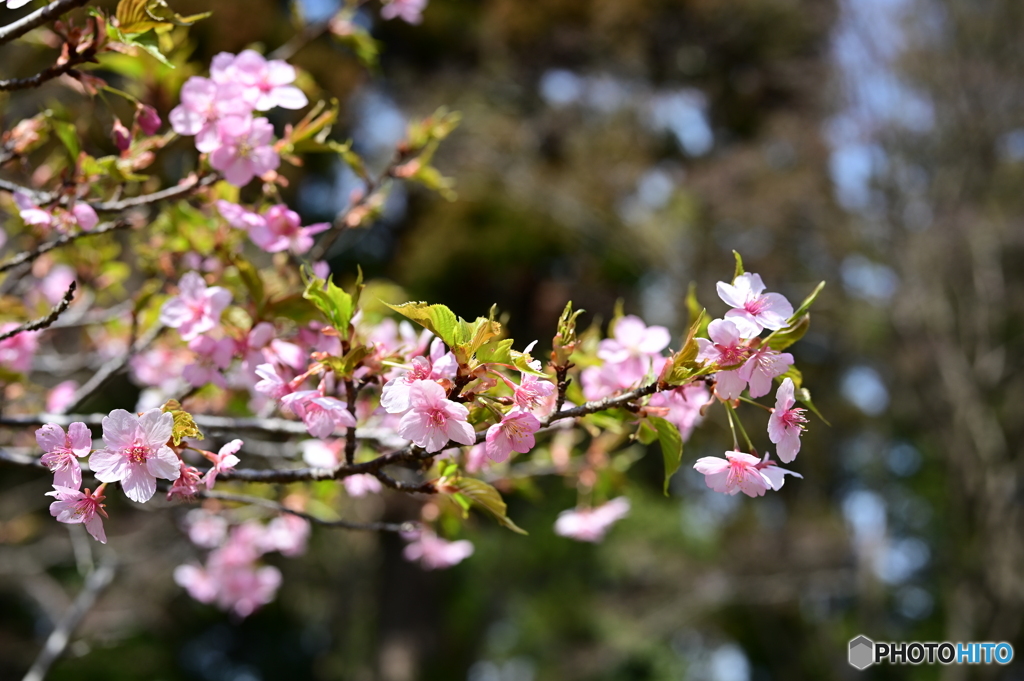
(219, 112)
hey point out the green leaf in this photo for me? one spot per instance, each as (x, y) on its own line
(337, 305)
(184, 425)
(139, 16)
(496, 351)
(470, 337)
(646, 433)
(694, 310)
(344, 367)
(739, 266)
(437, 319)
(808, 301)
(684, 364)
(793, 374)
(68, 135)
(522, 361)
(671, 446)
(786, 337)
(252, 280)
(482, 494)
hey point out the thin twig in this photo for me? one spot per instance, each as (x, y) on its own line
(37, 18)
(59, 638)
(44, 322)
(63, 240)
(111, 368)
(343, 524)
(76, 59)
(373, 185)
(176, 192)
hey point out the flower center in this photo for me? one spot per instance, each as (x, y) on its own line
(138, 453)
(438, 418)
(793, 418)
(730, 354)
(755, 306)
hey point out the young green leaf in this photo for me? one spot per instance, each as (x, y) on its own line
(482, 494)
(808, 301)
(781, 340)
(437, 319)
(671, 446)
(739, 266)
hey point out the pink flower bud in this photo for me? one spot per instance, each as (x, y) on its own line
(148, 119)
(121, 136)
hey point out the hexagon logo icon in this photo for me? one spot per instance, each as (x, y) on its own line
(862, 652)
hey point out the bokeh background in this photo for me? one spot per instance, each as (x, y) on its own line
(622, 149)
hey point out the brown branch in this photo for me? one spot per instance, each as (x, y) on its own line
(175, 192)
(44, 322)
(350, 433)
(37, 18)
(63, 240)
(87, 55)
(59, 638)
(343, 524)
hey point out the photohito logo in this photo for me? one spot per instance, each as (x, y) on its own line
(864, 652)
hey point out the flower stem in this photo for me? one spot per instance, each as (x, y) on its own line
(746, 437)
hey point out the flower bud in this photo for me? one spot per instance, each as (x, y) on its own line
(148, 119)
(121, 136)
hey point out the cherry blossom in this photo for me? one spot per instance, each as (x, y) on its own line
(80, 215)
(203, 103)
(433, 419)
(680, 406)
(212, 356)
(741, 472)
(16, 352)
(197, 308)
(633, 345)
(321, 454)
(410, 11)
(287, 534)
(322, 415)
(223, 461)
(61, 396)
(74, 506)
(277, 229)
(724, 349)
(361, 485)
(244, 149)
(271, 383)
(591, 524)
(434, 553)
(531, 391)
(136, 452)
(205, 529)
(267, 83)
(63, 451)
(514, 433)
(786, 423)
(395, 396)
(763, 365)
(187, 485)
(148, 119)
(753, 310)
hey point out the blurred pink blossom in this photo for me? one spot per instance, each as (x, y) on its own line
(434, 553)
(197, 307)
(591, 524)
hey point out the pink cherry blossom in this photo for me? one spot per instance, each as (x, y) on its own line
(74, 506)
(591, 524)
(160, 367)
(61, 396)
(80, 215)
(475, 458)
(680, 406)
(763, 365)
(434, 553)
(245, 149)
(361, 485)
(515, 433)
(396, 396)
(633, 344)
(287, 534)
(223, 461)
(186, 486)
(136, 452)
(212, 356)
(197, 308)
(271, 383)
(433, 419)
(63, 451)
(322, 415)
(16, 352)
(55, 284)
(724, 349)
(753, 310)
(205, 529)
(410, 11)
(531, 391)
(282, 230)
(203, 103)
(321, 454)
(786, 423)
(741, 472)
(267, 83)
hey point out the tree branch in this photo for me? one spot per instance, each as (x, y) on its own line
(343, 524)
(63, 240)
(46, 321)
(37, 18)
(54, 71)
(59, 638)
(176, 192)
